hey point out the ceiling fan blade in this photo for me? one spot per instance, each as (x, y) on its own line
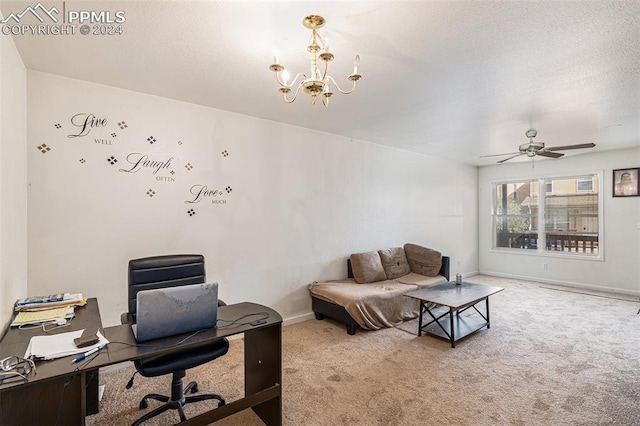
(499, 155)
(562, 148)
(514, 156)
(549, 154)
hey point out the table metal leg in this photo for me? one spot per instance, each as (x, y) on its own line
(422, 306)
(452, 332)
(488, 322)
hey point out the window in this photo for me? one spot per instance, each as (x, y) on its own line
(584, 184)
(515, 214)
(551, 215)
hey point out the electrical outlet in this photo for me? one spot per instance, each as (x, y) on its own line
(545, 265)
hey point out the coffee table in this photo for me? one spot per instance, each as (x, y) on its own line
(458, 298)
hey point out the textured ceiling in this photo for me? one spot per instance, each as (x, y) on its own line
(452, 79)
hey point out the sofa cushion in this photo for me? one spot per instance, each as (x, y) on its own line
(367, 267)
(394, 262)
(423, 260)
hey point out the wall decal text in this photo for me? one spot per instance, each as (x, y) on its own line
(85, 123)
(200, 192)
(138, 161)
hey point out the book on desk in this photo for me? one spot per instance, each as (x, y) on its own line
(40, 299)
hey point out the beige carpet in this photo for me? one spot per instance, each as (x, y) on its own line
(550, 358)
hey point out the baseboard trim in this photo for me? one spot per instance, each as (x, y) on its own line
(298, 318)
(565, 284)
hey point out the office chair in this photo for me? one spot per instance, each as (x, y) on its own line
(169, 271)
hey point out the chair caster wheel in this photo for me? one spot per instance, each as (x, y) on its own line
(194, 389)
(143, 404)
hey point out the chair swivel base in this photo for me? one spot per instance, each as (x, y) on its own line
(177, 404)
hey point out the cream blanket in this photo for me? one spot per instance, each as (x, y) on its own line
(379, 304)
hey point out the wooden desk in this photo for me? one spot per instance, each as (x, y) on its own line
(44, 397)
(262, 359)
(38, 401)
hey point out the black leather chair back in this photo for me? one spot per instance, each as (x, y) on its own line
(163, 271)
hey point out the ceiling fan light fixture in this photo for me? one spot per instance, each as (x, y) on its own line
(531, 149)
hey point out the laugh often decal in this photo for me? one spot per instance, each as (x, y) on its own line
(141, 158)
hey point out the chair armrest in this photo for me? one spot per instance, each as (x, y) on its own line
(126, 318)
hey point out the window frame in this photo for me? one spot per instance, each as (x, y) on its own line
(541, 181)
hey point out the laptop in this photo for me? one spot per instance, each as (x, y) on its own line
(169, 311)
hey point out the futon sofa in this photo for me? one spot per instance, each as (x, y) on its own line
(372, 297)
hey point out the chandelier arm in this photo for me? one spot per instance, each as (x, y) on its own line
(293, 82)
(344, 92)
(295, 79)
(295, 95)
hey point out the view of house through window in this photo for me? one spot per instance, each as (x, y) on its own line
(550, 214)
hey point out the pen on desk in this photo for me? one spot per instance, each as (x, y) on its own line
(86, 354)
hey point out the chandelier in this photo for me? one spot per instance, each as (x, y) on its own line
(317, 83)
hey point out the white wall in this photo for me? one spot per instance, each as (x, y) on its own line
(620, 239)
(13, 178)
(300, 203)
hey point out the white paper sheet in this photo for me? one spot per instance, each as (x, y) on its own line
(59, 345)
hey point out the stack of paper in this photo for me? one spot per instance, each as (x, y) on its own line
(42, 316)
(59, 345)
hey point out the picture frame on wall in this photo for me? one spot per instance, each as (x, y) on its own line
(626, 182)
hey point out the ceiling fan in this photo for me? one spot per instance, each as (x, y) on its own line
(532, 148)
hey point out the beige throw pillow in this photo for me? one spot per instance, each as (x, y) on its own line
(367, 267)
(394, 262)
(423, 260)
